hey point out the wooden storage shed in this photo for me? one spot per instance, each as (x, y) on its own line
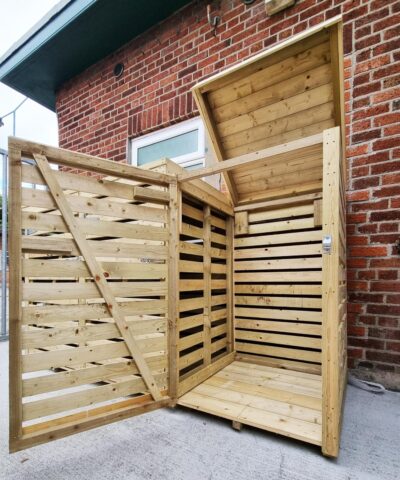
(134, 289)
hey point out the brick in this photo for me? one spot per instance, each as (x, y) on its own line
(368, 251)
(368, 65)
(387, 119)
(358, 196)
(366, 89)
(365, 183)
(386, 143)
(369, 206)
(387, 191)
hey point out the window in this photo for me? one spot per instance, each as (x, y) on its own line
(183, 143)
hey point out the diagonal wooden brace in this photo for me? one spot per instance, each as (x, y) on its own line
(98, 275)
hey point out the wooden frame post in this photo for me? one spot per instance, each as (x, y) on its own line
(15, 297)
(230, 290)
(331, 407)
(173, 289)
(207, 284)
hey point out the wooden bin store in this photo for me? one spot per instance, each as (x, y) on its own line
(133, 289)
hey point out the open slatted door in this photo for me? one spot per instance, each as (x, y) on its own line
(89, 243)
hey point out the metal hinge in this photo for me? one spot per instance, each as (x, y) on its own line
(327, 243)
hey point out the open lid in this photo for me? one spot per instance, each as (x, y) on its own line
(292, 90)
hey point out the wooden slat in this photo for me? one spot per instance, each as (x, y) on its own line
(88, 375)
(45, 268)
(54, 223)
(279, 203)
(286, 264)
(289, 289)
(271, 252)
(300, 110)
(289, 353)
(101, 187)
(279, 314)
(42, 315)
(59, 428)
(43, 199)
(294, 276)
(254, 159)
(41, 338)
(287, 340)
(66, 246)
(291, 302)
(286, 327)
(268, 90)
(98, 165)
(283, 238)
(68, 357)
(72, 290)
(87, 397)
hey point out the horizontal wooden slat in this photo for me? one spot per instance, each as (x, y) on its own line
(72, 290)
(72, 356)
(289, 289)
(290, 302)
(77, 268)
(268, 350)
(287, 340)
(96, 164)
(283, 238)
(286, 251)
(280, 226)
(43, 199)
(52, 244)
(285, 327)
(279, 314)
(71, 401)
(294, 276)
(284, 64)
(79, 334)
(54, 223)
(42, 315)
(82, 376)
(267, 264)
(269, 94)
(102, 187)
(296, 105)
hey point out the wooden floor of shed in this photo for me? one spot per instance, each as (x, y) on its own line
(273, 399)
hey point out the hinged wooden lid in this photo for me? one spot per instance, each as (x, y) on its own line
(290, 91)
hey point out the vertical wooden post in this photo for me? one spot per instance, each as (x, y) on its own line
(173, 289)
(331, 407)
(207, 284)
(230, 297)
(15, 297)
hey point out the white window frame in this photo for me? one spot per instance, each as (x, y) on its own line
(186, 126)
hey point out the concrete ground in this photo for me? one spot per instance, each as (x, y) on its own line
(185, 445)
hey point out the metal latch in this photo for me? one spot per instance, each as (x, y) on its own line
(327, 243)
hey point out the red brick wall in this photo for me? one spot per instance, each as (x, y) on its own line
(98, 113)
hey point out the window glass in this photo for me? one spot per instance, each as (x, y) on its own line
(183, 144)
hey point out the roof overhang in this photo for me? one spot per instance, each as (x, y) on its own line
(73, 36)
